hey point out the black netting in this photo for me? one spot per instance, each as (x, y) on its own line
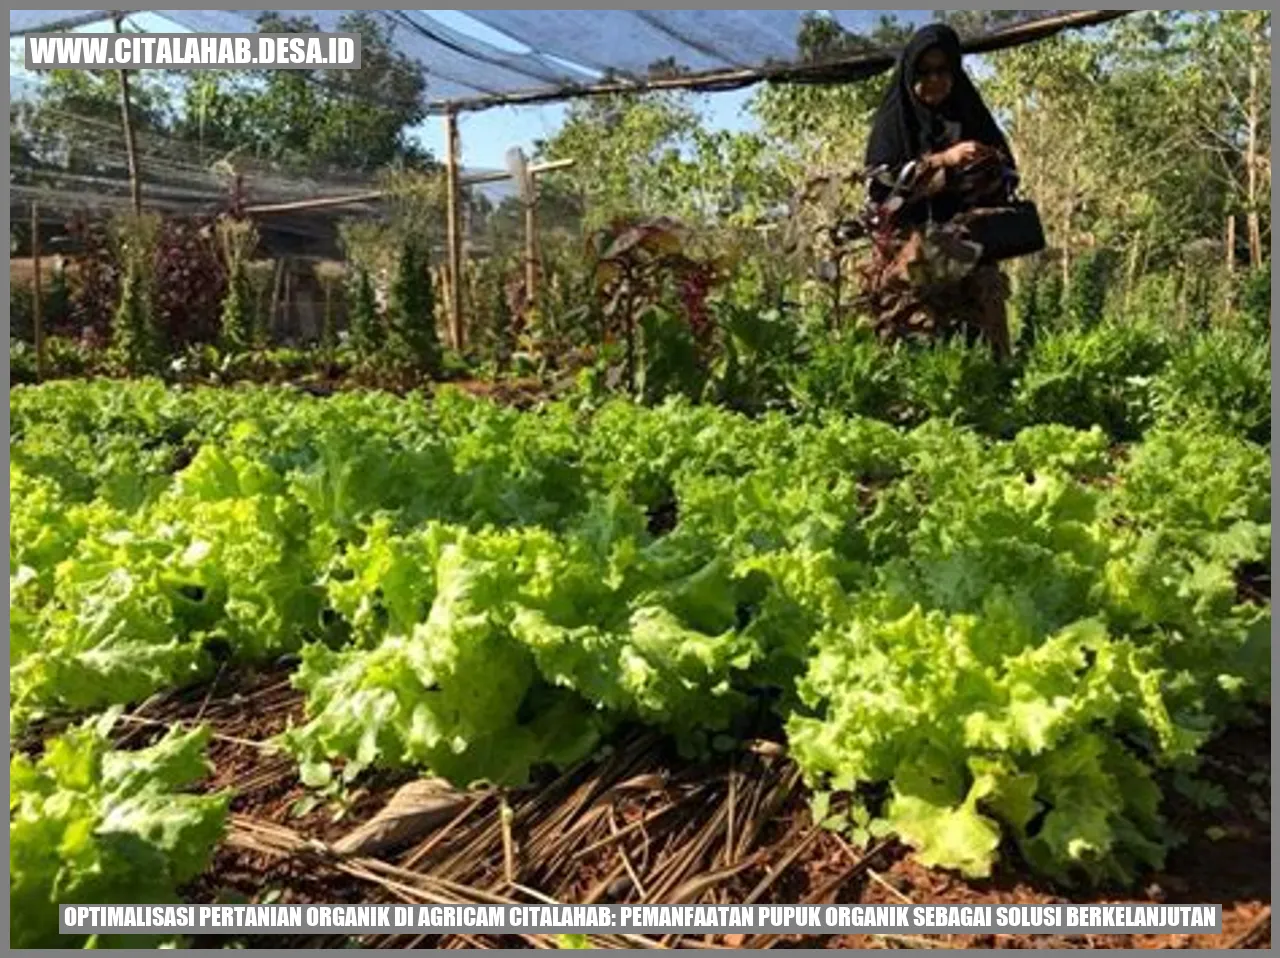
(79, 164)
(556, 52)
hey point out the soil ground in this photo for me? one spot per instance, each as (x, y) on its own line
(644, 826)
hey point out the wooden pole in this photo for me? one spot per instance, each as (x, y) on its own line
(1252, 220)
(530, 252)
(529, 197)
(295, 206)
(859, 66)
(1230, 243)
(453, 214)
(37, 317)
(130, 143)
(277, 291)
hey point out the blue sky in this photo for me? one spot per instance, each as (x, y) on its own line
(486, 135)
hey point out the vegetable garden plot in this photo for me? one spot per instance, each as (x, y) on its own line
(477, 592)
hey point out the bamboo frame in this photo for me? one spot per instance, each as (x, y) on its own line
(130, 141)
(843, 69)
(837, 70)
(369, 196)
(37, 314)
(452, 213)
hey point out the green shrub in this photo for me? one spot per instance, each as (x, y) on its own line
(852, 374)
(669, 364)
(1255, 300)
(760, 351)
(238, 326)
(1086, 294)
(1222, 378)
(68, 357)
(1153, 299)
(22, 362)
(1048, 298)
(135, 338)
(411, 310)
(133, 335)
(955, 381)
(366, 323)
(21, 312)
(1099, 376)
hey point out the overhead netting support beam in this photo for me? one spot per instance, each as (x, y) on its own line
(549, 55)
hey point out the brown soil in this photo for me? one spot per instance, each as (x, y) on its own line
(591, 833)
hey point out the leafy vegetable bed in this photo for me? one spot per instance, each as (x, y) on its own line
(979, 646)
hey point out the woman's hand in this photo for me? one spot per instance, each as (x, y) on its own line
(961, 154)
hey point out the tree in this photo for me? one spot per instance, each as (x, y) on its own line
(560, 212)
(1226, 86)
(352, 121)
(651, 155)
(73, 123)
(348, 121)
(824, 128)
(1137, 136)
(623, 146)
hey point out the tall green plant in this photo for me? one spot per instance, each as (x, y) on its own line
(366, 321)
(365, 244)
(135, 338)
(238, 239)
(411, 312)
(1255, 300)
(1086, 295)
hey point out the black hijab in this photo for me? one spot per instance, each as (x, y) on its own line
(904, 127)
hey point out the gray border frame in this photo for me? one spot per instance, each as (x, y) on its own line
(961, 4)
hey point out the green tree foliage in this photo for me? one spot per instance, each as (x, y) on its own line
(238, 238)
(367, 331)
(1136, 136)
(347, 120)
(620, 146)
(411, 309)
(136, 342)
(1256, 300)
(819, 127)
(74, 122)
(355, 121)
(638, 155)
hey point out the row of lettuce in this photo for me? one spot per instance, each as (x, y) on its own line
(1123, 376)
(985, 646)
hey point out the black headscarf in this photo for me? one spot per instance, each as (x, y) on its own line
(905, 128)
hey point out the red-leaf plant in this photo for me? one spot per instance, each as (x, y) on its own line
(635, 261)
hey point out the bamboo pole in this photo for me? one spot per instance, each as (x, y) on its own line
(528, 196)
(130, 142)
(1252, 220)
(530, 251)
(1230, 243)
(277, 291)
(37, 315)
(453, 210)
(369, 196)
(860, 66)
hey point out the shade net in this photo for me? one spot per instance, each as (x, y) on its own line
(506, 56)
(553, 53)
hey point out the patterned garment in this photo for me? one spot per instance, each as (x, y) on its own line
(930, 283)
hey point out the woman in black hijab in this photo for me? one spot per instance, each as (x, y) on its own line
(932, 115)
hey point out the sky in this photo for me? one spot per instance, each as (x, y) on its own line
(485, 135)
